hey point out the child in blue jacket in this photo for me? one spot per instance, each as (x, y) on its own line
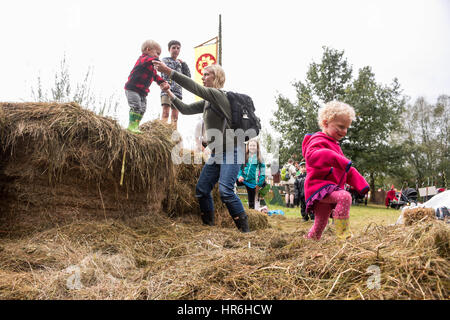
(253, 173)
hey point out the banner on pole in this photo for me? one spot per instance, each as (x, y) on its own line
(205, 55)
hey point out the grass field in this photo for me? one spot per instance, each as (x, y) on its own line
(360, 216)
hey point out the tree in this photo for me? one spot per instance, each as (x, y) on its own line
(378, 108)
(324, 82)
(427, 128)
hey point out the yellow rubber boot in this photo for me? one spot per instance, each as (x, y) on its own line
(342, 229)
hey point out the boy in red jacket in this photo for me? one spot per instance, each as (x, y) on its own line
(390, 196)
(141, 77)
(329, 170)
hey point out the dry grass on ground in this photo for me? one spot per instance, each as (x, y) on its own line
(68, 230)
(155, 257)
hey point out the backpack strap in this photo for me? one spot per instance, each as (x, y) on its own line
(218, 111)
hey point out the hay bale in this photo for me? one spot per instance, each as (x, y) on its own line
(257, 220)
(59, 162)
(64, 139)
(414, 215)
(181, 198)
(2, 121)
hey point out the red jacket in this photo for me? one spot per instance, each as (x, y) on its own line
(328, 169)
(142, 75)
(390, 195)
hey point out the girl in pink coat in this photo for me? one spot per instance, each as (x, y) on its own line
(329, 170)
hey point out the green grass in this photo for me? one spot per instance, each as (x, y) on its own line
(360, 216)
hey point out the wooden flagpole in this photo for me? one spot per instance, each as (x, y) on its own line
(219, 55)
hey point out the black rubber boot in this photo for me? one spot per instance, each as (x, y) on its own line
(242, 222)
(208, 218)
(304, 216)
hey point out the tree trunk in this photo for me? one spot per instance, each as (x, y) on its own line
(372, 187)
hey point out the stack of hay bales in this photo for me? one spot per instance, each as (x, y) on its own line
(60, 162)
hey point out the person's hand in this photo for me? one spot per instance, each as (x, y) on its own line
(166, 89)
(241, 179)
(181, 61)
(165, 86)
(161, 67)
(257, 189)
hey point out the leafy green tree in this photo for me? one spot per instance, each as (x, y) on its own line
(324, 82)
(378, 108)
(330, 78)
(427, 128)
(442, 116)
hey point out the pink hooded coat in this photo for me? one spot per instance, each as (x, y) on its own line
(328, 169)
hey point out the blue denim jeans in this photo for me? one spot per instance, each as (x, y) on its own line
(224, 173)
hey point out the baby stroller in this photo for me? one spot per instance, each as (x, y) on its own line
(405, 197)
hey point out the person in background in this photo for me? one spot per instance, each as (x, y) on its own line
(300, 192)
(175, 64)
(390, 196)
(253, 173)
(289, 183)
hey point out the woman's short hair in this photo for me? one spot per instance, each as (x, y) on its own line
(151, 44)
(333, 109)
(219, 75)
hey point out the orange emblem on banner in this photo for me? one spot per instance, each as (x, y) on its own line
(203, 61)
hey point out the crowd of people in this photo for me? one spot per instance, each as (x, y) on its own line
(316, 185)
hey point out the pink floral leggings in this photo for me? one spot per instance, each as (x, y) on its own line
(342, 201)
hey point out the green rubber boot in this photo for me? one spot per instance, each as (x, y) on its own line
(135, 118)
(342, 229)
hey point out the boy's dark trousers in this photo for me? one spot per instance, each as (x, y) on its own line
(251, 197)
(303, 208)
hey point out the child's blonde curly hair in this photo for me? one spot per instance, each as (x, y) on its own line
(333, 109)
(150, 44)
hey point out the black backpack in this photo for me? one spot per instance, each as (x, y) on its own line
(242, 113)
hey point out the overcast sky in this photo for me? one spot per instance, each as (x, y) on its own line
(266, 45)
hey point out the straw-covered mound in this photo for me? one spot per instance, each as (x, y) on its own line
(60, 162)
(413, 215)
(157, 257)
(70, 230)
